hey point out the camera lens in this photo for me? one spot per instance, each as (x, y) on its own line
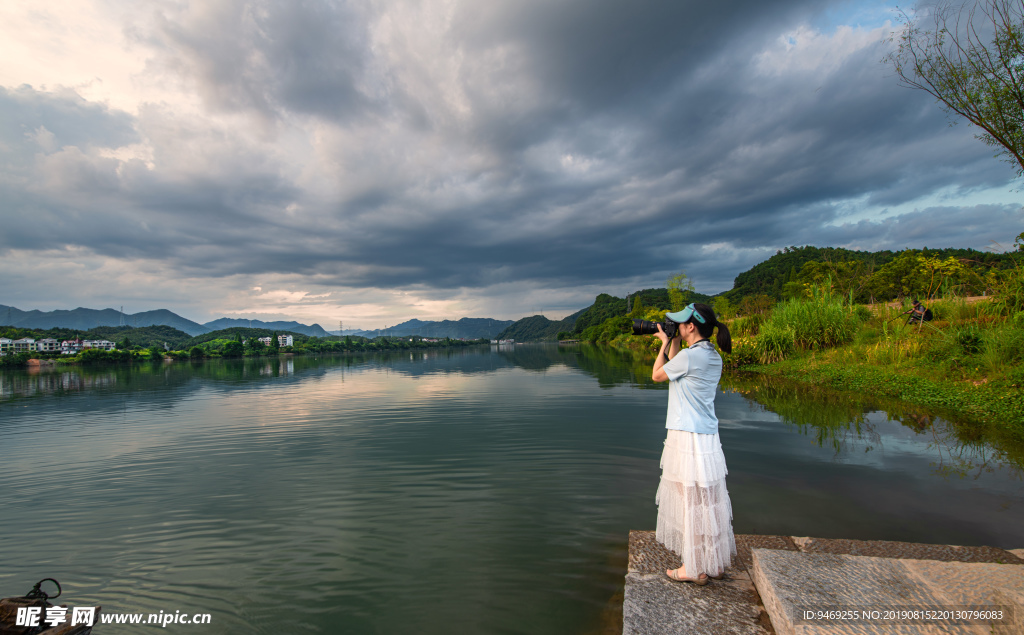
(643, 327)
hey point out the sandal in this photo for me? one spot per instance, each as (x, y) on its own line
(700, 580)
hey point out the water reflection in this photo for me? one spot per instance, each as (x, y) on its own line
(843, 422)
(832, 419)
(405, 486)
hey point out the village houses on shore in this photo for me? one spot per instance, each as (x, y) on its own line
(50, 345)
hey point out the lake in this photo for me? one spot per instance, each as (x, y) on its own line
(480, 490)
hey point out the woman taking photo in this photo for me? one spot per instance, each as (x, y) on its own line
(694, 511)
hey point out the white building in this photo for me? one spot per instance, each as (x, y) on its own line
(48, 345)
(6, 345)
(284, 340)
(266, 340)
(71, 347)
(24, 345)
(104, 345)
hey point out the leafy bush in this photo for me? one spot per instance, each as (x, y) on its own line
(17, 360)
(744, 351)
(98, 356)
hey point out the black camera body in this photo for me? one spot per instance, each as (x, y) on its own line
(643, 327)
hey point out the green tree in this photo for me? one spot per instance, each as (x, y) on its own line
(155, 353)
(196, 352)
(755, 304)
(233, 348)
(898, 278)
(275, 345)
(724, 310)
(638, 309)
(971, 58)
(679, 287)
(255, 346)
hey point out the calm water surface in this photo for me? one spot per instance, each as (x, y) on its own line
(472, 491)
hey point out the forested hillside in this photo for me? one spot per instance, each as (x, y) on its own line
(123, 336)
(878, 275)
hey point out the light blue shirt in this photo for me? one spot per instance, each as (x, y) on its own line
(693, 381)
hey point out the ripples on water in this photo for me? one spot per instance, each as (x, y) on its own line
(469, 491)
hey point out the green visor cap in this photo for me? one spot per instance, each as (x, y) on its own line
(683, 316)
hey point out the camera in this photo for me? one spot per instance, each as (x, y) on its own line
(643, 327)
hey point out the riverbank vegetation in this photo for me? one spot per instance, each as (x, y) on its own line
(159, 343)
(844, 324)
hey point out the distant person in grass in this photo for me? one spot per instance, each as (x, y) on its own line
(919, 313)
(694, 510)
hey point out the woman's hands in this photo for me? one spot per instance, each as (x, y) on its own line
(669, 348)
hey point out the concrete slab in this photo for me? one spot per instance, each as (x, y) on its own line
(797, 586)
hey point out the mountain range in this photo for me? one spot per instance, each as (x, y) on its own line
(468, 328)
(83, 319)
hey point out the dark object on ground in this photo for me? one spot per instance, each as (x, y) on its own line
(37, 598)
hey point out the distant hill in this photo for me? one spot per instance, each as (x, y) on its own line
(293, 327)
(468, 328)
(83, 319)
(538, 328)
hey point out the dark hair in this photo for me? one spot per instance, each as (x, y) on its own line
(708, 327)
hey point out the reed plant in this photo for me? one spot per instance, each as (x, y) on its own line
(822, 320)
(774, 343)
(746, 326)
(1009, 293)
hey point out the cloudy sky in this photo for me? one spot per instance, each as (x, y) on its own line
(377, 160)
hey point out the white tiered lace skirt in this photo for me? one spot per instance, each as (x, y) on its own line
(694, 510)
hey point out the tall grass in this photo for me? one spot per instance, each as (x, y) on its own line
(1010, 290)
(820, 321)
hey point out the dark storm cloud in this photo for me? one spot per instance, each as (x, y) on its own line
(71, 120)
(301, 56)
(555, 144)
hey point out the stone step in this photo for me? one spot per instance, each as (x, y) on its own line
(654, 605)
(796, 585)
